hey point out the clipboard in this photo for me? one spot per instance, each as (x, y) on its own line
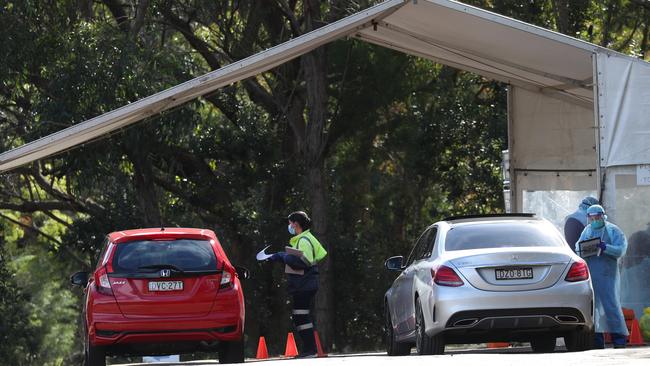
(298, 253)
(589, 248)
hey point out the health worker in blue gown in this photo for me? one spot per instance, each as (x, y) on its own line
(608, 315)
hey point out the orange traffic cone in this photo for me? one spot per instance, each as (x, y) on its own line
(319, 348)
(628, 314)
(635, 338)
(262, 353)
(291, 350)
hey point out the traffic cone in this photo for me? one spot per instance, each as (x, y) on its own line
(628, 314)
(635, 338)
(262, 353)
(319, 348)
(290, 350)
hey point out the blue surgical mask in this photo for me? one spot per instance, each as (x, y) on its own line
(292, 231)
(597, 224)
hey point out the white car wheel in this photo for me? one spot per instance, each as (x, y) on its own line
(393, 348)
(425, 344)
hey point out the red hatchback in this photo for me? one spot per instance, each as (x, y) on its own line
(162, 291)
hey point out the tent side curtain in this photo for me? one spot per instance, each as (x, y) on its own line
(549, 134)
(164, 100)
(624, 109)
(551, 195)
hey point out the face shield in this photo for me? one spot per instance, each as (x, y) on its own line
(596, 220)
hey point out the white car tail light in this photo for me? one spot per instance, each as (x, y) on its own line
(578, 272)
(445, 276)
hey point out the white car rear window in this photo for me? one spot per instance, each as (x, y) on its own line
(502, 235)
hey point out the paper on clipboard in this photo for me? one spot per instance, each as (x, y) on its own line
(589, 248)
(297, 253)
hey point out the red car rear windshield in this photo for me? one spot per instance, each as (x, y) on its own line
(185, 254)
(501, 235)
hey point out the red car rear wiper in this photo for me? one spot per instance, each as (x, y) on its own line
(177, 270)
(161, 266)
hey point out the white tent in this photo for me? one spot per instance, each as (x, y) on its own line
(578, 113)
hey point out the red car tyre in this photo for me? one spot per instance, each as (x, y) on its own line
(231, 352)
(94, 356)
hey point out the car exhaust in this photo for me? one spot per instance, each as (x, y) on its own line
(465, 322)
(567, 319)
(209, 345)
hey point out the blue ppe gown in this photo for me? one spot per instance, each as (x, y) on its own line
(608, 316)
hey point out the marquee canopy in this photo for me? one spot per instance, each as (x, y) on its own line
(584, 113)
(577, 120)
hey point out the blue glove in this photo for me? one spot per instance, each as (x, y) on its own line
(278, 257)
(602, 246)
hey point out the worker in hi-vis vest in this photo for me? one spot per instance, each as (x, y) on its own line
(301, 259)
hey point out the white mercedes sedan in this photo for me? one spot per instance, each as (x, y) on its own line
(489, 278)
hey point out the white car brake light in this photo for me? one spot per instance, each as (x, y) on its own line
(445, 276)
(578, 272)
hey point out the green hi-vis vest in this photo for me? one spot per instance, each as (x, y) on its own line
(311, 248)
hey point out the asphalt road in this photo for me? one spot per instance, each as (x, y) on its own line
(502, 357)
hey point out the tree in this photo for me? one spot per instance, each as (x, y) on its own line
(19, 337)
(373, 143)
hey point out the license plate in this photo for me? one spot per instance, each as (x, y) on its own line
(165, 285)
(513, 273)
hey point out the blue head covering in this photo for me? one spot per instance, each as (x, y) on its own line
(595, 210)
(588, 201)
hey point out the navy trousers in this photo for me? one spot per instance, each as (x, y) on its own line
(303, 320)
(617, 340)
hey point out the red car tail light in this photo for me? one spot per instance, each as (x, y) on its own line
(578, 272)
(226, 279)
(445, 276)
(102, 283)
(227, 275)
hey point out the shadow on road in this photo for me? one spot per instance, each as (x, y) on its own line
(631, 353)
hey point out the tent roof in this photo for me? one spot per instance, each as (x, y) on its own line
(489, 44)
(446, 31)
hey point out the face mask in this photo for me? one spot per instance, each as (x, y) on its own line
(292, 231)
(597, 224)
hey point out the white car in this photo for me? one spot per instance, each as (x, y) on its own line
(489, 278)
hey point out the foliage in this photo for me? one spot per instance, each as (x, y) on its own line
(386, 145)
(19, 337)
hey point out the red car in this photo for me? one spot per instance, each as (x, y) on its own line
(162, 291)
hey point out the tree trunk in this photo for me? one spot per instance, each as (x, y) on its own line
(561, 8)
(645, 42)
(607, 24)
(324, 299)
(145, 189)
(315, 68)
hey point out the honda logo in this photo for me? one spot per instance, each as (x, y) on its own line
(165, 272)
